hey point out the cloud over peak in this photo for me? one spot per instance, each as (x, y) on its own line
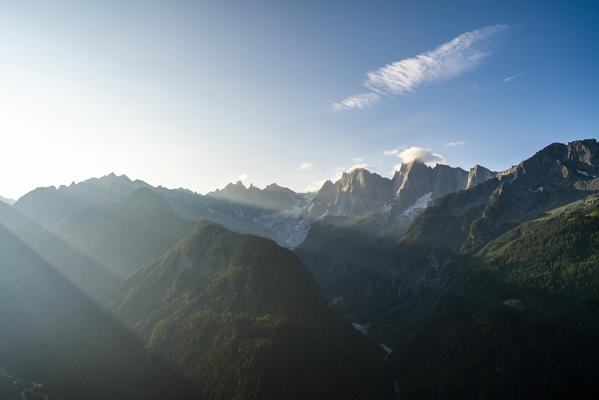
(306, 166)
(243, 178)
(362, 165)
(450, 59)
(422, 154)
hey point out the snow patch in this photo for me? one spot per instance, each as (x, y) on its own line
(419, 205)
(582, 172)
(361, 328)
(388, 349)
(540, 189)
(337, 300)
(434, 263)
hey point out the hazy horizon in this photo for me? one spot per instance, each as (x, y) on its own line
(248, 182)
(196, 95)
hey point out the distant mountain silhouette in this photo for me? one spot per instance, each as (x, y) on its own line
(7, 200)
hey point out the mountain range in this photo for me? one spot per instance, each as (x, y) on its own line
(274, 212)
(504, 271)
(437, 282)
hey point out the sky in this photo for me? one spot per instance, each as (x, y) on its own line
(197, 94)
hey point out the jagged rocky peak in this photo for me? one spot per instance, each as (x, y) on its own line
(232, 188)
(413, 169)
(355, 193)
(233, 191)
(414, 186)
(479, 174)
(273, 187)
(327, 188)
(558, 165)
(448, 179)
(111, 181)
(324, 199)
(360, 191)
(362, 180)
(49, 205)
(273, 197)
(584, 151)
(412, 181)
(238, 188)
(115, 177)
(415, 179)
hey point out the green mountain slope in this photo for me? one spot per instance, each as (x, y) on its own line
(492, 291)
(517, 319)
(466, 221)
(243, 317)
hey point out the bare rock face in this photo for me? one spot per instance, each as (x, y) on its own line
(479, 174)
(324, 200)
(557, 175)
(448, 180)
(558, 166)
(414, 186)
(360, 191)
(413, 180)
(584, 151)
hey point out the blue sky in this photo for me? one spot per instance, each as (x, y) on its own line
(196, 94)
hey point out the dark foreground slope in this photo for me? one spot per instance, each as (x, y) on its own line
(340, 250)
(53, 334)
(517, 319)
(243, 317)
(493, 291)
(464, 222)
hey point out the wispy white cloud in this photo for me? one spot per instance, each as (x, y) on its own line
(511, 78)
(393, 152)
(306, 166)
(453, 58)
(453, 144)
(360, 101)
(358, 160)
